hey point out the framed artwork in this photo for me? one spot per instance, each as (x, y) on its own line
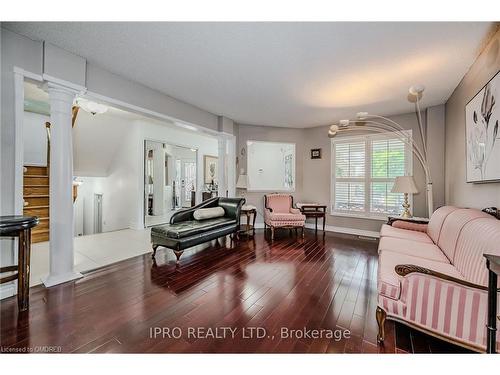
(210, 169)
(315, 153)
(482, 133)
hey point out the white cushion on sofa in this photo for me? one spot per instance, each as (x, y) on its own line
(208, 213)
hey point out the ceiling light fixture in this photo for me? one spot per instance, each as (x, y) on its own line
(91, 107)
(376, 123)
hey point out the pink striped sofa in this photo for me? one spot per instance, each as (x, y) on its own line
(434, 277)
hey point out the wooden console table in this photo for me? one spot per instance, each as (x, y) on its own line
(493, 264)
(313, 210)
(20, 227)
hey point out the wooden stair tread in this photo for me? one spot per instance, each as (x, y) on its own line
(28, 207)
(38, 196)
(43, 230)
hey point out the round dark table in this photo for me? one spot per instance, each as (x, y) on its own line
(20, 227)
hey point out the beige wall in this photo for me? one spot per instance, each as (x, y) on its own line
(246, 133)
(313, 176)
(458, 192)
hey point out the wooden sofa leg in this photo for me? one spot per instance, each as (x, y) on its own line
(381, 316)
(302, 232)
(154, 250)
(178, 254)
(272, 233)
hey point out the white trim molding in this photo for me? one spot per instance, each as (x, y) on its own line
(335, 229)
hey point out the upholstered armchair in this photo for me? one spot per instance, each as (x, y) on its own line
(279, 213)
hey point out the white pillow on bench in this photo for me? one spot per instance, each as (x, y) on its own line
(208, 213)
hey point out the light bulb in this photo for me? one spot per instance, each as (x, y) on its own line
(416, 90)
(361, 115)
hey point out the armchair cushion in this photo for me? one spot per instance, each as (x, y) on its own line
(285, 216)
(279, 202)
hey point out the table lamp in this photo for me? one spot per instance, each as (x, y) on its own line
(242, 181)
(406, 185)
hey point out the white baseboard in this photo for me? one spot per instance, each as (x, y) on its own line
(51, 280)
(335, 229)
(8, 290)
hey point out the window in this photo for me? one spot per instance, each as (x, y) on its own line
(363, 172)
(270, 166)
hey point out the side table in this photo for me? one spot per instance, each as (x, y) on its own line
(493, 264)
(248, 229)
(313, 210)
(20, 227)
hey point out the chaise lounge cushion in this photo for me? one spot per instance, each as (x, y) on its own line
(389, 284)
(390, 231)
(422, 250)
(191, 227)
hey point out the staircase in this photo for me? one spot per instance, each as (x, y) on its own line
(36, 200)
(36, 191)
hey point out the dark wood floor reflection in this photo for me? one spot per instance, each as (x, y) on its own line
(293, 284)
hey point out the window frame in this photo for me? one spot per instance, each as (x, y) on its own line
(367, 179)
(253, 189)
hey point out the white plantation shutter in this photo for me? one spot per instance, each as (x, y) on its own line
(364, 169)
(383, 201)
(388, 158)
(349, 169)
(350, 196)
(351, 159)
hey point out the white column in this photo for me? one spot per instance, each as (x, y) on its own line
(158, 178)
(222, 166)
(61, 187)
(231, 165)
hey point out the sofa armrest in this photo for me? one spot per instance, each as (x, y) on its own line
(295, 211)
(232, 207)
(406, 269)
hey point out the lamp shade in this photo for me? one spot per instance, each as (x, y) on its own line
(404, 184)
(242, 181)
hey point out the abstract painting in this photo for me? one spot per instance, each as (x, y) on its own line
(482, 133)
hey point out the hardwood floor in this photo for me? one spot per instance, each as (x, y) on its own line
(317, 283)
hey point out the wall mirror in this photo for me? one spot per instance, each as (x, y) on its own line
(169, 180)
(270, 166)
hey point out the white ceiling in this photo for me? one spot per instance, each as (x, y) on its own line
(280, 74)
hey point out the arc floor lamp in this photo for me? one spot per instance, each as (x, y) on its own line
(376, 123)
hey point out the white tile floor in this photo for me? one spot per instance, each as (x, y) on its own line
(94, 251)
